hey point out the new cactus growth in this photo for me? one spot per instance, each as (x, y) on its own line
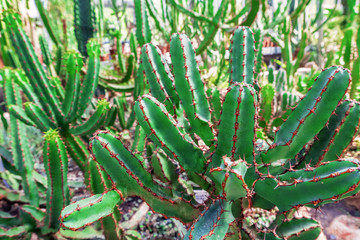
(186, 149)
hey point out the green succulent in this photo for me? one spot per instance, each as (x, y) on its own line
(196, 142)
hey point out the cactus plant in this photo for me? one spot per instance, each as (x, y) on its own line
(239, 172)
(46, 22)
(55, 110)
(84, 23)
(143, 32)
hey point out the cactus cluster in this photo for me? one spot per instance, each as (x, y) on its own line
(196, 155)
(189, 141)
(55, 110)
(277, 100)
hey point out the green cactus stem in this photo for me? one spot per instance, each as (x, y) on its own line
(55, 162)
(242, 56)
(239, 107)
(88, 86)
(46, 22)
(213, 223)
(319, 184)
(187, 79)
(155, 69)
(45, 52)
(143, 32)
(159, 125)
(73, 64)
(95, 121)
(310, 115)
(32, 66)
(333, 139)
(128, 174)
(84, 212)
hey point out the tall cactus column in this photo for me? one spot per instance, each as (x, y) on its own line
(56, 166)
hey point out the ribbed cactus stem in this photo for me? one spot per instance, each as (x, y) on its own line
(77, 149)
(315, 187)
(35, 113)
(128, 174)
(333, 139)
(72, 216)
(159, 125)
(73, 64)
(159, 77)
(238, 123)
(143, 32)
(95, 121)
(310, 115)
(21, 80)
(190, 87)
(242, 56)
(45, 52)
(56, 166)
(213, 223)
(89, 84)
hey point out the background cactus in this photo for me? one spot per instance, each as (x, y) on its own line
(21, 156)
(84, 23)
(56, 111)
(46, 22)
(238, 171)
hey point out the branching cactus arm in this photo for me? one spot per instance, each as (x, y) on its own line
(143, 32)
(155, 120)
(159, 77)
(242, 56)
(88, 86)
(334, 138)
(32, 66)
(310, 115)
(213, 223)
(328, 182)
(72, 63)
(94, 122)
(94, 208)
(121, 166)
(237, 123)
